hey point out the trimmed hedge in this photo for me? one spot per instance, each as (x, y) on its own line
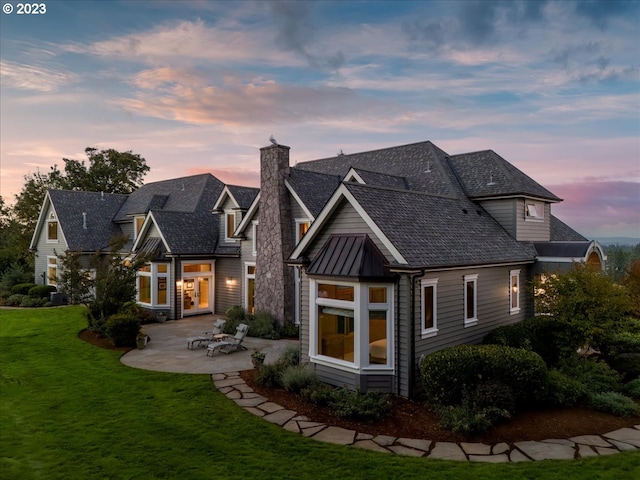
(595, 375)
(22, 288)
(122, 329)
(614, 403)
(564, 390)
(548, 337)
(42, 291)
(446, 375)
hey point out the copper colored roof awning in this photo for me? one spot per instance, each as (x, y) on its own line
(353, 256)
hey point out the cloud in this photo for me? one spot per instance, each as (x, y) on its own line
(172, 94)
(231, 175)
(33, 77)
(601, 12)
(594, 207)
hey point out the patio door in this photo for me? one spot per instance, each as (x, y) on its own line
(197, 292)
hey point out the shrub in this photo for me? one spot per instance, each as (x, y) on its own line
(633, 388)
(614, 403)
(15, 274)
(564, 391)
(618, 343)
(269, 375)
(22, 288)
(289, 330)
(627, 365)
(15, 300)
(447, 374)
(320, 394)
(596, 376)
(122, 329)
(42, 291)
(550, 338)
(290, 357)
(297, 378)
(264, 325)
(470, 421)
(32, 302)
(367, 407)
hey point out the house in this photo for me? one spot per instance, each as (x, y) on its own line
(380, 257)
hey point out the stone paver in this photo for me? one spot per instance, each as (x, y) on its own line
(626, 435)
(338, 435)
(517, 456)
(476, 448)
(499, 448)
(384, 440)
(370, 445)
(546, 451)
(280, 417)
(406, 451)
(586, 451)
(595, 440)
(418, 444)
(447, 451)
(622, 446)
(502, 458)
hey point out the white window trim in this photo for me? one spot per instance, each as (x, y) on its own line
(248, 276)
(514, 274)
(154, 275)
(531, 211)
(469, 322)
(254, 236)
(431, 331)
(54, 266)
(228, 236)
(300, 221)
(53, 240)
(359, 305)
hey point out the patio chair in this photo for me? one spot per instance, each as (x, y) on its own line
(233, 344)
(205, 338)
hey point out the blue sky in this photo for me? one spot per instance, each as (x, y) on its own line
(552, 86)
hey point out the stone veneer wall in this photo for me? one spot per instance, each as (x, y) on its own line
(274, 290)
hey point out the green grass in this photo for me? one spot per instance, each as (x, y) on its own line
(69, 410)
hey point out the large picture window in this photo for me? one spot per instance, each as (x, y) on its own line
(429, 298)
(470, 300)
(351, 324)
(153, 284)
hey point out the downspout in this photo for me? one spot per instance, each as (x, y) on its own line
(412, 339)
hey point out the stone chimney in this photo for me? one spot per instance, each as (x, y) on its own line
(274, 287)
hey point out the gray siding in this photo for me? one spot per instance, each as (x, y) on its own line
(504, 211)
(529, 230)
(228, 205)
(127, 229)
(152, 232)
(45, 249)
(227, 295)
(493, 307)
(296, 213)
(304, 318)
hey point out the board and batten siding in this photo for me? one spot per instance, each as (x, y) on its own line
(493, 307)
(227, 296)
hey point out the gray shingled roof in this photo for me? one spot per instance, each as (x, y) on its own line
(100, 209)
(185, 194)
(486, 174)
(560, 231)
(422, 164)
(437, 231)
(314, 189)
(243, 195)
(382, 179)
(188, 233)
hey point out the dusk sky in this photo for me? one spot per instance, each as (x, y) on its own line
(551, 86)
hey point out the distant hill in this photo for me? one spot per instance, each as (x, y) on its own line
(617, 240)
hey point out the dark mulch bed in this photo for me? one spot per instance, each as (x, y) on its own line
(411, 419)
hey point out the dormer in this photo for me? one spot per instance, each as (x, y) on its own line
(516, 201)
(232, 204)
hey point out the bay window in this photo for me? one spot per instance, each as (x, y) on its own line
(351, 324)
(152, 284)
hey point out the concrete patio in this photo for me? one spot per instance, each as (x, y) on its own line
(167, 351)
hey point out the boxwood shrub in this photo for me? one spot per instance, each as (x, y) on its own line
(22, 288)
(42, 291)
(122, 329)
(447, 374)
(564, 390)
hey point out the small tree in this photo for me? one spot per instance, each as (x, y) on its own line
(588, 300)
(632, 282)
(105, 287)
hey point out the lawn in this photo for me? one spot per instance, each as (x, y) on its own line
(69, 410)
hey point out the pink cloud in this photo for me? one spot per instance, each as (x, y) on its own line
(232, 176)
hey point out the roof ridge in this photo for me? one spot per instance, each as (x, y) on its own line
(427, 142)
(401, 190)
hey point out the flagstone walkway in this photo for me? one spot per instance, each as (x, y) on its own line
(235, 388)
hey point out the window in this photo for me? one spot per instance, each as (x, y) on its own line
(52, 231)
(254, 236)
(230, 226)
(302, 226)
(52, 271)
(152, 284)
(470, 300)
(351, 325)
(429, 295)
(514, 291)
(534, 211)
(250, 287)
